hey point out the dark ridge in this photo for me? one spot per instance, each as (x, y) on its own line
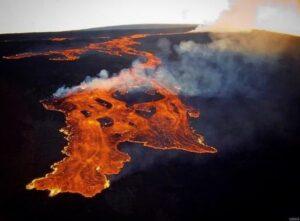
(103, 103)
(105, 121)
(86, 113)
(137, 96)
(175, 108)
(146, 113)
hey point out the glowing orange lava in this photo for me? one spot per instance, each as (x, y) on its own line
(98, 119)
(58, 39)
(117, 47)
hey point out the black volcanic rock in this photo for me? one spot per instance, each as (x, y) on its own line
(254, 175)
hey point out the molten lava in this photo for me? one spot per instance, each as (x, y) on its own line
(98, 119)
(57, 39)
(117, 47)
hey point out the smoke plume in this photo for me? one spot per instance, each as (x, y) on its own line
(229, 65)
(273, 15)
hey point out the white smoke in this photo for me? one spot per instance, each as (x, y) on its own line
(89, 83)
(104, 82)
(244, 15)
(220, 68)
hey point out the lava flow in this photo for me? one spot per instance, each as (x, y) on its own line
(117, 47)
(58, 39)
(100, 118)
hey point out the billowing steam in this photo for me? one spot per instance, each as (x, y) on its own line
(221, 68)
(215, 68)
(272, 15)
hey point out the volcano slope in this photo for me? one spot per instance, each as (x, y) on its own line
(246, 86)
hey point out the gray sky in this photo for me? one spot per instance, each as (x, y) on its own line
(57, 15)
